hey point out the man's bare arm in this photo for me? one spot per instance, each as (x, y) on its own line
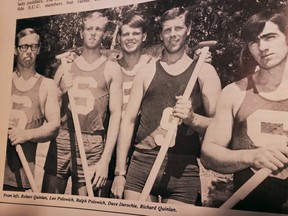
(115, 106)
(215, 153)
(126, 132)
(114, 80)
(50, 107)
(210, 89)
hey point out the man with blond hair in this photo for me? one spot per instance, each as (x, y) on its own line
(96, 82)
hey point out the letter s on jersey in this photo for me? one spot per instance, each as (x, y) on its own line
(260, 138)
(18, 115)
(84, 94)
(277, 122)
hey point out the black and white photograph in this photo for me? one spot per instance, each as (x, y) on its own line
(147, 107)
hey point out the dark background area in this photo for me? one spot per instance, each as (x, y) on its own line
(219, 20)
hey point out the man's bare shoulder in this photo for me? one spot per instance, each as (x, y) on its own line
(236, 88)
(231, 88)
(207, 71)
(148, 70)
(145, 75)
(208, 74)
(112, 67)
(47, 80)
(233, 95)
(48, 84)
(208, 67)
(242, 84)
(113, 72)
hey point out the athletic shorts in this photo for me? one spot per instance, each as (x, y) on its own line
(178, 178)
(11, 188)
(63, 158)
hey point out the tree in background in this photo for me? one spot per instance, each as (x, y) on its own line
(219, 20)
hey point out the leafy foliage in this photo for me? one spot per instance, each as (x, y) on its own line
(219, 20)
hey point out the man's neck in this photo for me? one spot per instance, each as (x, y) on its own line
(26, 73)
(179, 66)
(273, 77)
(129, 60)
(273, 83)
(172, 58)
(91, 55)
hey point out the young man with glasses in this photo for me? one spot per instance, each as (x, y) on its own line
(34, 101)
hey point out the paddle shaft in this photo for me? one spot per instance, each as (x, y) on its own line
(172, 129)
(26, 168)
(246, 188)
(78, 134)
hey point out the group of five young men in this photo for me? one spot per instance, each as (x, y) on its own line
(140, 94)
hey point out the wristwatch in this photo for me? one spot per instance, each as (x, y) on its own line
(120, 173)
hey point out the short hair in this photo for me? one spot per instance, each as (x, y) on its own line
(25, 32)
(177, 12)
(93, 16)
(134, 21)
(251, 30)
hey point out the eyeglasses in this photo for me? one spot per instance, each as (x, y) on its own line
(24, 47)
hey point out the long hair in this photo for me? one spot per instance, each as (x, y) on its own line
(251, 30)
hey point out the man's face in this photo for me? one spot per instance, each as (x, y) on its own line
(27, 58)
(174, 34)
(270, 48)
(93, 32)
(131, 39)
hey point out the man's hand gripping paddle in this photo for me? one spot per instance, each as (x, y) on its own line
(25, 165)
(246, 188)
(63, 58)
(173, 126)
(26, 168)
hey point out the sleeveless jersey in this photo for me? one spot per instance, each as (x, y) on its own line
(261, 122)
(25, 113)
(127, 85)
(91, 95)
(128, 77)
(160, 95)
(127, 82)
